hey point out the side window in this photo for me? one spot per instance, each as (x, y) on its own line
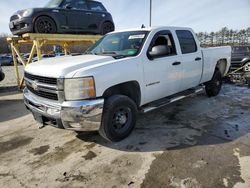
(165, 41)
(95, 6)
(187, 41)
(75, 4)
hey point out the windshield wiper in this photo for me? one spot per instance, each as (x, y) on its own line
(107, 53)
(89, 52)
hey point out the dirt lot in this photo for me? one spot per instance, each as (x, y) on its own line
(197, 142)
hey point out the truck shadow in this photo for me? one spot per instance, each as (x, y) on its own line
(194, 121)
(12, 109)
(8, 90)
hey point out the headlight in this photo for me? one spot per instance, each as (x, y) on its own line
(26, 13)
(79, 88)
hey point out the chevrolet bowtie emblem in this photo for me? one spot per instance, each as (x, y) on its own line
(34, 85)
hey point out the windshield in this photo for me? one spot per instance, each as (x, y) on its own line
(54, 3)
(121, 44)
(241, 49)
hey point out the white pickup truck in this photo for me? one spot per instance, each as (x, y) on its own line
(123, 73)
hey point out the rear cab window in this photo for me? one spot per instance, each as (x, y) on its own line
(186, 41)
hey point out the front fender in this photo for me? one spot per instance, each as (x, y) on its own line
(58, 18)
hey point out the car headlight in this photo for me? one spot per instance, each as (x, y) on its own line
(79, 88)
(26, 13)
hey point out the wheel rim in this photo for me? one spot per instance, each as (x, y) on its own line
(107, 28)
(45, 26)
(122, 118)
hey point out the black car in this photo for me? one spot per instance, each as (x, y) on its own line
(63, 16)
(240, 58)
(6, 60)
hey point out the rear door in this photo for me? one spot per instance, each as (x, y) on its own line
(162, 76)
(191, 58)
(96, 13)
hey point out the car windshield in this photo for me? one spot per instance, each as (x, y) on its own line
(119, 45)
(54, 3)
(241, 49)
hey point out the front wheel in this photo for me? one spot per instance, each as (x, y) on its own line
(119, 118)
(45, 24)
(213, 87)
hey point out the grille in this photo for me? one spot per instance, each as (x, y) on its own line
(14, 17)
(52, 81)
(42, 80)
(47, 95)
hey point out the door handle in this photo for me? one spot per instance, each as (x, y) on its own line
(176, 63)
(89, 13)
(197, 58)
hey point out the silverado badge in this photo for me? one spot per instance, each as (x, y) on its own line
(34, 85)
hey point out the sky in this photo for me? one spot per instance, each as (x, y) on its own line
(201, 15)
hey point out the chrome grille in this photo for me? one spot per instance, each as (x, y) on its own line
(41, 79)
(43, 94)
(42, 86)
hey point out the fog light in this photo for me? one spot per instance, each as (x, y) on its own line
(52, 111)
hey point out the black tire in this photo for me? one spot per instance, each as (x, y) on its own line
(2, 76)
(44, 24)
(119, 118)
(213, 87)
(107, 27)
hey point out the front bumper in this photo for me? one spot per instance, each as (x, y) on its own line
(21, 26)
(85, 115)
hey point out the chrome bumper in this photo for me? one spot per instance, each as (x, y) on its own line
(83, 115)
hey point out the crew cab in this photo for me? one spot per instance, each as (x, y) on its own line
(123, 73)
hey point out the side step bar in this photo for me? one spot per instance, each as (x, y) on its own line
(168, 100)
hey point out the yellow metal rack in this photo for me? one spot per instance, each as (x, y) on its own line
(38, 40)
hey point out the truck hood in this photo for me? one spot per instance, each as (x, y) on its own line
(66, 66)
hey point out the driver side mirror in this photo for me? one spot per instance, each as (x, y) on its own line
(67, 6)
(159, 51)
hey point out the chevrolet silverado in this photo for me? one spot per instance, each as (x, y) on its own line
(124, 73)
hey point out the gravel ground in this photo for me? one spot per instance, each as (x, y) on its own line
(196, 142)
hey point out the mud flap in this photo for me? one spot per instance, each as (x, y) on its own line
(39, 120)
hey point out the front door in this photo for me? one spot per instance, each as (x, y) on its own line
(162, 75)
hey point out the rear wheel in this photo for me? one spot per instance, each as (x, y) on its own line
(119, 118)
(213, 87)
(44, 24)
(107, 27)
